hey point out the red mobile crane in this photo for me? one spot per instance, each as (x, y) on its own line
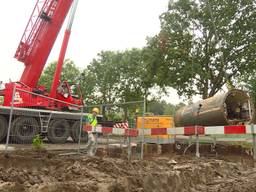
(33, 50)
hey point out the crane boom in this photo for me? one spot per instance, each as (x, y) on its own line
(57, 73)
(39, 36)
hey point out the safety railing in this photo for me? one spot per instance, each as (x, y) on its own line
(25, 125)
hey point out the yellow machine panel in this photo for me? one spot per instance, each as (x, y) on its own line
(156, 122)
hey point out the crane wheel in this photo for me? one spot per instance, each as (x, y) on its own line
(3, 127)
(24, 129)
(58, 131)
(75, 132)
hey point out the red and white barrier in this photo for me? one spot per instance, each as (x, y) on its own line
(190, 130)
(212, 130)
(112, 130)
(123, 125)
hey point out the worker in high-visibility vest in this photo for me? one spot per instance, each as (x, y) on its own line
(92, 120)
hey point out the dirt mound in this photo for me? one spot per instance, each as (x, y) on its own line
(49, 172)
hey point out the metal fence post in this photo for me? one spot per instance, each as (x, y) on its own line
(253, 133)
(121, 144)
(196, 132)
(159, 147)
(197, 142)
(10, 120)
(143, 124)
(129, 148)
(108, 144)
(96, 143)
(80, 130)
(253, 141)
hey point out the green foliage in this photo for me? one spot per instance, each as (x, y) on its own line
(134, 84)
(116, 77)
(69, 72)
(163, 108)
(103, 73)
(37, 142)
(202, 45)
(88, 87)
(247, 82)
(156, 107)
(111, 77)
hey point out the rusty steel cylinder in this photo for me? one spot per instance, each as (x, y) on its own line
(229, 108)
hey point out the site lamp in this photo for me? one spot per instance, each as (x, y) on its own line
(137, 110)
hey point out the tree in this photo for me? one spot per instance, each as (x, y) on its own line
(156, 107)
(88, 87)
(133, 84)
(202, 45)
(104, 73)
(117, 77)
(69, 72)
(247, 82)
(163, 108)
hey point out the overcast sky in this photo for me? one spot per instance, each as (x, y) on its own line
(99, 25)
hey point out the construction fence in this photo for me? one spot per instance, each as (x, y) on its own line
(116, 133)
(123, 129)
(66, 130)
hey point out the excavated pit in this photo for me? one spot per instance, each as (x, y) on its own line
(49, 172)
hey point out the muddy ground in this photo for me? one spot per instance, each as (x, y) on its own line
(49, 172)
